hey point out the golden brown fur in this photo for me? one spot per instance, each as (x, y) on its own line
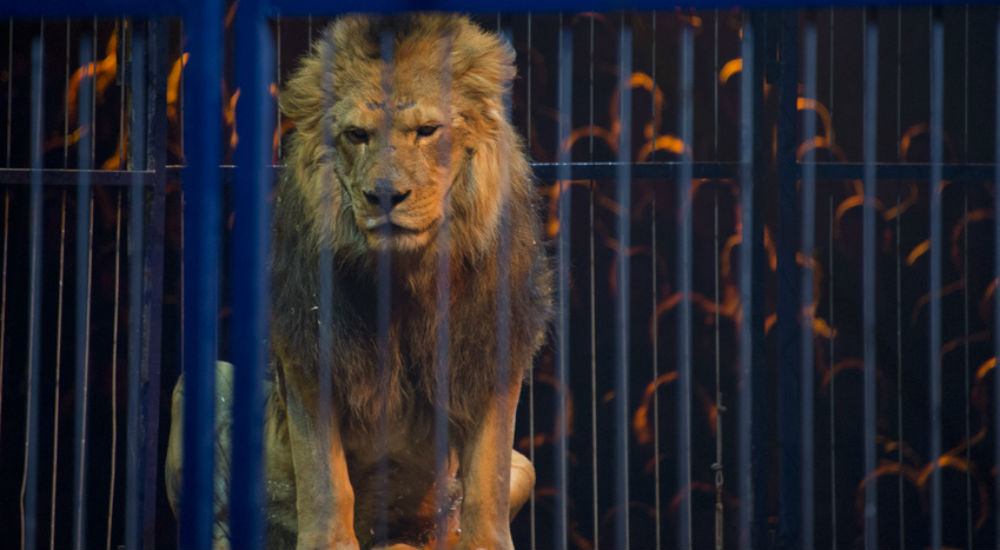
(428, 131)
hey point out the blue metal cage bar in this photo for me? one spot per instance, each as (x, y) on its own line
(202, 236)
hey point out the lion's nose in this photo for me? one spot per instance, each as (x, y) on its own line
(385, 195)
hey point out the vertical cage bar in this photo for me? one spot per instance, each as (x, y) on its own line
(527, 137)
(870, 111)
(10, 83)
(593, 295)
(325, 267)
(503, 297)
(658, 510)
(968, 376)
(937, 152)
(746, 487)
(807, 362)
(788, 287)
(83, 274)
(156, 159)
(684, 268)
(763, 532)
(182, 81)
(442, 363)
(899, 374)
(715, 87)
(383, 292)
(6, 211)
(717, 466)
(202, 225)
(622, 313)
(121, 25)
(531, 376)
(134, 512)
(593, 306)
(93, 95)
(3, 287)
(833, 385)
(832, 291)
(565, 91)
(115, 329)
(996, 268)
(655, 301)
(965, 128)
(969, 518)
(65, 135)
(279, 153)
(59, 313)
(53, 500)
(251, 251)
(899, 279)
(29, 483)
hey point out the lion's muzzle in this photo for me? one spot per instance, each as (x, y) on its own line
(385, 195)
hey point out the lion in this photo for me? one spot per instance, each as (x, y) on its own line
(402, 158)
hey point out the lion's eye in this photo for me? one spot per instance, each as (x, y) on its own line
(357, 136)
(427, 130)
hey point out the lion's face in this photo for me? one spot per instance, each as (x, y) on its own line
(394, 159)
(389, 150)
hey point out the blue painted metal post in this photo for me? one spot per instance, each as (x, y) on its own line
(807, 365)
(251, 246)
(754, 268)
(202, 217)
(442, 363)
(83, 265)
(562, 327)
(684, 271)
(937, 243)
(870, 111)
(996, 273)
(137, 221)
(29, 488)
(622, 312)
(156, 149)
(747, 351)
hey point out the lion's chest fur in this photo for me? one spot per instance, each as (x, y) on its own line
(406, 351)
(386, 387)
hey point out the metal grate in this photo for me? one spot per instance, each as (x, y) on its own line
(775, 239)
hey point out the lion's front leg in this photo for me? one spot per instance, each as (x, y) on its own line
(485, 472)
(324, 498)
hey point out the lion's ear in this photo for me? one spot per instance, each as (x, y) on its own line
(303, 95)
(482, 64)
